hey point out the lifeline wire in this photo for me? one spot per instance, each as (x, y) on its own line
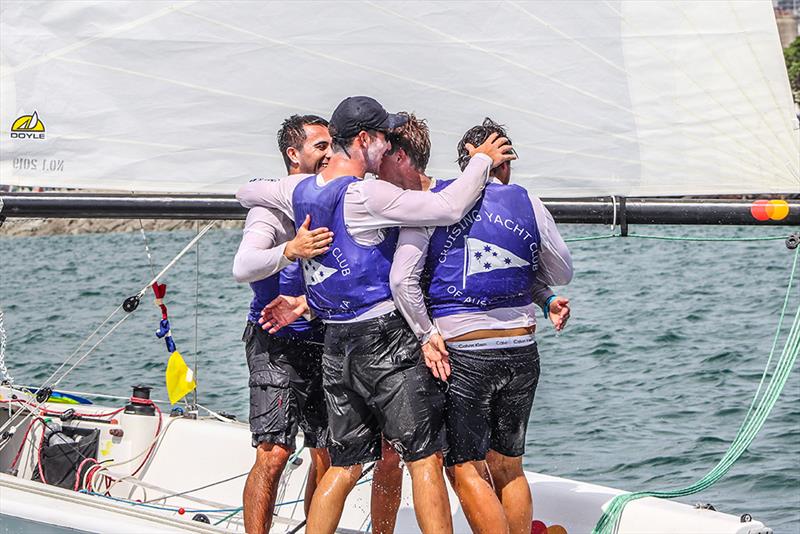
(759, 410)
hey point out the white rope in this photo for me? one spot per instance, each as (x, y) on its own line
(147, 248)
(6, 376)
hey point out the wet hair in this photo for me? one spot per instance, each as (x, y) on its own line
(414, 138)
(292, 134)
(476, 136)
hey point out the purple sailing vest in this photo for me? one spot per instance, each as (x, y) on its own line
(350, 278)
(287, 282)
(488, 259)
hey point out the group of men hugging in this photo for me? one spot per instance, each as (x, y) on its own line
(394, 318)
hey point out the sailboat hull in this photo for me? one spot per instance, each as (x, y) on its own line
(194, 453)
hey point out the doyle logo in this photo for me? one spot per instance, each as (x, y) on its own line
(28, 127)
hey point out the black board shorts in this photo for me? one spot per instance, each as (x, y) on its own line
(489, 401)
(285, 389)
(376, 381)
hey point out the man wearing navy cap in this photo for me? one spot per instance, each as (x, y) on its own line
(374, 377)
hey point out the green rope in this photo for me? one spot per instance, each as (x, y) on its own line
(590, 238)
(673, 238)
(754, 420)
(679, 238)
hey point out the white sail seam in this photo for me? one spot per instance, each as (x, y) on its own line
(712, 50)
(55, 54)
(686, 163)
(758, 162)
(183, 84)
(784, 118)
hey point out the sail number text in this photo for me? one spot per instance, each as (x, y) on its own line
(39, 164)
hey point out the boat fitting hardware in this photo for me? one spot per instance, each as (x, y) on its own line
(746, 518)
(227, 415)
(131, 303)
(623, 218)
(67, 415)
(201, 518)
(793, 241)
(705, 506)
(116, 432)
(43, 394)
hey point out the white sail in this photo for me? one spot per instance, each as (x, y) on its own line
(610, 97)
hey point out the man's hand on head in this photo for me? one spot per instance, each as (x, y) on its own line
(436, 357)
(282, 311)
(559, 312)
(497, 148)
(308, 243)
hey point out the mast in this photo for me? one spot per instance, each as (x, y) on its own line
(597, 210)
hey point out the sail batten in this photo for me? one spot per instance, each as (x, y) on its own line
(618, 97)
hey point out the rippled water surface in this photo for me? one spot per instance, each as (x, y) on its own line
(644, 390)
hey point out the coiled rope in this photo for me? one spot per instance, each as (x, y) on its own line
(757, 414)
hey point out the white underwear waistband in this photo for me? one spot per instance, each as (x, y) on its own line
(494, 342)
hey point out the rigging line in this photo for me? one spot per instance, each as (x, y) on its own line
(185, 492)
(55, 54)
(532, 71)
(777, 336)
(38, 405)
(180, 254)
(683, 71)
(6, 376)
(196, 305)
(183, 84)
(140, 294)
(735, 79)
(97, 395)
(146, 246)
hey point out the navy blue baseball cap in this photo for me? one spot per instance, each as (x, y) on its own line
(357, 113)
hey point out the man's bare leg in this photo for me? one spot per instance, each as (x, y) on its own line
(473, 485)
(320, 462)
(431, 504)
(387, 485)
(512, 490)
(262, 486)
(328, 502)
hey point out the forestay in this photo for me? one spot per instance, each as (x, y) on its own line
(609, 97)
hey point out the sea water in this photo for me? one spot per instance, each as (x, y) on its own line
(644, 389)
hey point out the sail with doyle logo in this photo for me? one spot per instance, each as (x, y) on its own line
(660, 98)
